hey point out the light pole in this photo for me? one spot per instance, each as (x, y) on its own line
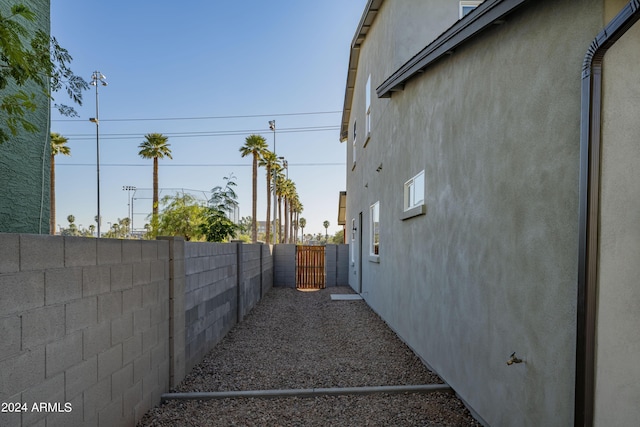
(272, 126)
(97, 79)
(128, 189)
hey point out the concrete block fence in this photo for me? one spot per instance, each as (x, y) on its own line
(336, 262)
(223, 282)
(93, 331)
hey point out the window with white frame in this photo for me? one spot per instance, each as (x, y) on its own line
(354, 143)
(374, 215)
(367, 124)
(414, 191)
(467, 6)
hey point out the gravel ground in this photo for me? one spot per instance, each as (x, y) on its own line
(295, 340)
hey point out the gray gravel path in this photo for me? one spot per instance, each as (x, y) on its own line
(296, 340)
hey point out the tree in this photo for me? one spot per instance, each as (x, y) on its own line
(338, 238)
(155, 147)
(288, 190)
(182, 215)
(270, 162)
(280, 190)
(326, 224)
(118, 230)
(255, 145)
(303, 224)
(294, 209)
(57, 147)
(31, 60)
(73, 229)
(216, 226)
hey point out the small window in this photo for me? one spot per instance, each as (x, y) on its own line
(367, 129)
(468, 6)
(375, 229)
(414, 192)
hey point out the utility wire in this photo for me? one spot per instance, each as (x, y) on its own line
(208, 133)
(203, 118)
(190, 165)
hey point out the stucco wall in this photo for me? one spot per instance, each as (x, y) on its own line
(491, 268)
(618, 318)
(25, 159)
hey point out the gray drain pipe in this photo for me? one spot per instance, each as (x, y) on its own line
(309, 392)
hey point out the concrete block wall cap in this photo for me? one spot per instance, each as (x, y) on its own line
(309, 392)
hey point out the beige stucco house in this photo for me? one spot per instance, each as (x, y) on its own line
(493, 199)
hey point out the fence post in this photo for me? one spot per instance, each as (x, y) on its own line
(261, 270)
(177, 351)
(239, 275)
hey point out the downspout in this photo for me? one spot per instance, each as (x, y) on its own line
(590, 146)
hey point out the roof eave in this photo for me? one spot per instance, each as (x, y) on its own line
(368, 16)
(484, 16)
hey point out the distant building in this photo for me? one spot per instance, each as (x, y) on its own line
(25, 159)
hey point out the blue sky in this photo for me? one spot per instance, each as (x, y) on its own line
(207, 74)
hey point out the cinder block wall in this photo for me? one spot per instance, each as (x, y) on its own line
(284, 269)
(211, 280)
(342, 269)
(84, 323)
(251, 277)
(98, 329)
(337, 265)
(223, 282)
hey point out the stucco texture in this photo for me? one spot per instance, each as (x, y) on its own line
(25, 159)
(618, 318)
(491, 268)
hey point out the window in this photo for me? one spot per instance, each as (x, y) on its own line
(375, 229)
(468, 6)
(354, 144)
(367, 124)
(414, 197)
(414, 191)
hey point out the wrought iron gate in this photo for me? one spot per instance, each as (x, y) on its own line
(310, 272)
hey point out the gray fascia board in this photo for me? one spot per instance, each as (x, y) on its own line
(366, 21)
(484, 16)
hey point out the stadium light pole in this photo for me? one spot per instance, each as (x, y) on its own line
(97, 79)
(128, 189)
(272, 126)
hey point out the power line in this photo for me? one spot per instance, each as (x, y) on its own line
(204, 118)
(191, 165)
(81, 136)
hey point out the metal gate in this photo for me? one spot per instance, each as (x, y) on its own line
(310, 272)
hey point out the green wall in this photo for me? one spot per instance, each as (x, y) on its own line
(24, 160)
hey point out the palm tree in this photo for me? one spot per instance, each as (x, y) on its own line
(155, 147)
(293, 201)
(288, 192)
(254, 145)
(280, 191)
(57, 147)
(270, 162)
(303, 224)
(326, 224)
(298, 210)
